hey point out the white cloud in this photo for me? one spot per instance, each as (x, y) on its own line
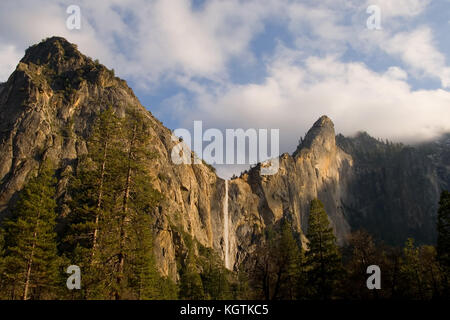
(147, 40)
(176, 39)
(30, 22)
(151, 41)
(356, 98)
(404, 8)
(418, 50)
(396, 73)
(154, 41)
(9, 57)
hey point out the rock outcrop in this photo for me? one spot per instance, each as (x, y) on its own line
(47, 109)
(393, 190)
(317, 169)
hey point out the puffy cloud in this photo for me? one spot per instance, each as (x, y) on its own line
(146, 40)
(175, 38)
(297, 92)
(30, 22)
(153, 41)
(193, 46)
(396, 73)
(403, 8)
(9, 56)
(418, 50)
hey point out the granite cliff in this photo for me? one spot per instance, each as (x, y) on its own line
(47, 109)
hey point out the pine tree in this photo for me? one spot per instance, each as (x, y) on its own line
(31, 264)
(289, 259)
(112, 200)
(144, 279)
(443, 240)
(92, 200)
(136, 195)
(411, 272)
(103, 150)
(278, 271)
(323, 257)
(432, 276)
(191, 285)
(2, 251)
(263, 274)
(214, 276)
(360, 253)
(241, 286)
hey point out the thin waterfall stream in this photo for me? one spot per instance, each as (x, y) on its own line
(225, 227)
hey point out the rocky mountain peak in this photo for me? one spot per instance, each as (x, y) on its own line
(320, 136)
(324, 121)
(53, 52)
(56, 67)
(50, 102)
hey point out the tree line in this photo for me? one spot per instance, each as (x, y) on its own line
(106, 231)
(282, 269)
(104, 225)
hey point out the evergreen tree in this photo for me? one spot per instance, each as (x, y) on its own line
(141, 272)
(432, 274)
(323, 257)
(110, 224)
(191, 285)
(443, 240)
(168, 289)
(214, 276)
(263, 273)
(360, 253)
(92, 200)
(411, 272)
(31, 264)
(279, 265)
(103, 151)
(391, 272)
(2, 250)
(289, 260)
(136, 196)
(241, 286)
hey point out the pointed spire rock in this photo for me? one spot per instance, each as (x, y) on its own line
(320, 136)
(324, 121)
(54, 52)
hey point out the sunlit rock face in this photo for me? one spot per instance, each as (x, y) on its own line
(49, 104)
(317, 169)
(47, 109)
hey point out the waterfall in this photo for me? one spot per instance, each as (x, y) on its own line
(225, 227)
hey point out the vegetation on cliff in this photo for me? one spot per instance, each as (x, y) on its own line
(140, 227)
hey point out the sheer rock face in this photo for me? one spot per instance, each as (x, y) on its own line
(394, 189)
(47, 108)
(318, 169)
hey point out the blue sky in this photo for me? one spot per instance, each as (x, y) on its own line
(262, 63)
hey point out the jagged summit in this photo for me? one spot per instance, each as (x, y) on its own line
(58, 63)
(320, 136)
(48, 106)
(324, 121)
(50, 103)
(55, 66)
(53, 51)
